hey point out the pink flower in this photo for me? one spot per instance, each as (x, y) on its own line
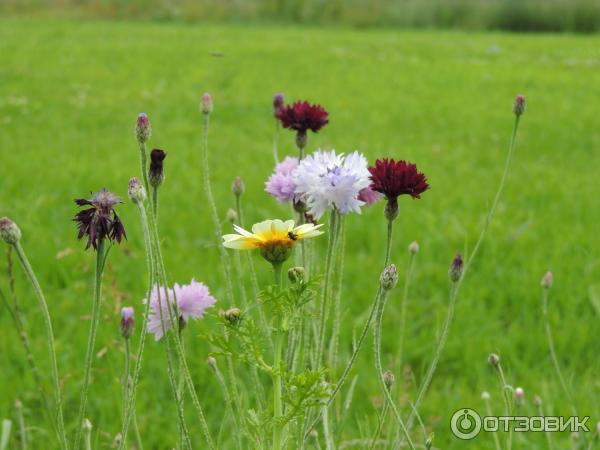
(369, 196)
(192, 300)
(281, 184)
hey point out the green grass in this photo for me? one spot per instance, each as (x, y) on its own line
(69, 96)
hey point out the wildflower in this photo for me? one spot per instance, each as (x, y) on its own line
(413, 248)
(302, 116)
(389, 277)
(100, 221)
(192, 301)
(388, 379)
(136, 191)
(143, 131)
(519, 105)
(237, 187)
(395, 178)
(281, 183)
(278, 103)
(456, 268)
(206, 104)
(547, 280)
(369, 196)
(494, 359)
(9, 231)
(519, 395)
(274, 238)
(296, 274)
(126, 322)
(326, 180)
(156, 172)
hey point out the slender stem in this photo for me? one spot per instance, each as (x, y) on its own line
(50, 338)
(276, 141)
(337, 299)
(380, 424)
(508, 396)
(555, 362)
(379, 368)
(89, 355)
(403, 307)
(87, 438)
(488, 409)
(388, 248)
(277, 374)
(126, 395)
(22, 429)
(143, 163)
(547, 433)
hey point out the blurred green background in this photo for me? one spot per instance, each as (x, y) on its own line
(70, 92)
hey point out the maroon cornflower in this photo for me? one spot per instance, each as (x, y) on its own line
(155, 173)
(395, 178)
(278, 103)
(302, 116)
(100, 221)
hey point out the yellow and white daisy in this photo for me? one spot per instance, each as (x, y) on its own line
(275, 238)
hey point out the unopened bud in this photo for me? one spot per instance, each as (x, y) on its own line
(156, 171)
(519, 105)
(456, 268)
(278, 102)
(212, 362)
(485, 396)
(126, 322)
(301, 139)
(413, 247)
(237, 187)
(87, 425)
(537, 400)
(547, 280)
(9, 231)
(388, 379)
(136, 191)
(18, 404)
(519, 394)
(429, 442)
(296, 274)
(494, 360)
(232, 315)
(206, 104)
(231, 215)
(143, 130)
(389, 277)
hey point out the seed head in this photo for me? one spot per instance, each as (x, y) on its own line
(494, 360)
(136, 191)
(456, 268)
(296, 274)
(388, 379)
(9, 231)
(206, 104)
(389, 277)
(413, 247)
(143, 130)
(519, 105)
(231, 215)
(547, 280)
(126, 322)
(237, 187)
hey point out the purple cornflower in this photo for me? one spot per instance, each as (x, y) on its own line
(281, 183)
(100, 221)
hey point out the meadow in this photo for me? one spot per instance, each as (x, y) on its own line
(70, 93)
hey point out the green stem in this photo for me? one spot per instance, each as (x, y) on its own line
(50, 340)
(87, 438)
(143, 163)
(276, 141)
(89, 355)
(337, 299)
(495, 435)
(508, 396)
(380, 424)
(547, 433)
(403, 308)
(22, 429)
(277, 374)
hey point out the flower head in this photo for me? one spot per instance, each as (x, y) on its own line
(136, 191)
(302, 116)
(143, 131)
(100, 221)
(456, 268)
(156, 170)
(126, 322)
(278, 103)
(326, 180)
(192, 301)
(395, 178)
(9, 231)
(238, 187)
(519, 105)
(274, 238)
(206, 103)
(281, 183)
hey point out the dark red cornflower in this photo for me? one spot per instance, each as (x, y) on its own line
(155, 172)
(100, 221)
(395, 178)
(302, 116)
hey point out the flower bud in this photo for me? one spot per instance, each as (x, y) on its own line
(231, 215)
(212, 362)
(429, 442)
(547, 280)
(389, 277)
(143, 130)
(494, 360)
(413, 248)
(278, 102)
(87, 425)
(456, 268)
(156, 171)
(206, 104)
(136, 191)
(9, 231)
(388, 379)
(485, 396)
(537, 400)
(296, 274)
(519, 105)
(232, 315)
(126, 322)
(237, 187)
(519, 394)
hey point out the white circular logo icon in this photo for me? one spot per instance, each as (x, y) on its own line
(465, 424)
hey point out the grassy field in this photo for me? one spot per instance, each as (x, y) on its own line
(69, 96)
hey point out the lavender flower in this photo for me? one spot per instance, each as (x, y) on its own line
(192, 300)
(326, 180)
(281, 183)
(126, 322)
(100, 221)
(369, 196)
